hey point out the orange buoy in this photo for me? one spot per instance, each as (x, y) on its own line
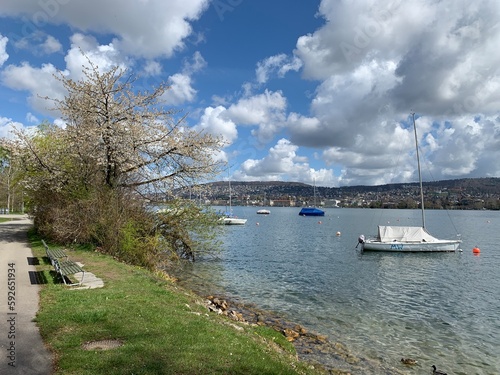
(476, 250)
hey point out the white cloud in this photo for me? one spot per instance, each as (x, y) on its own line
(180, 90)
(294, 64)
(266, 111)
(51, 45)
(3, 49)
(346, 106)
(464, 149)
(264, 67)
(32, 119)
(40, 82)
(7, 125)
(149, 29)
(38, 43)
(278, 163)
(281, 64)
(60, 122)
(284, 163)
(85, 48)
(375, 65)
(152, 68)
(213, 123)
(443, 54)
(194, 65)
(181, 84)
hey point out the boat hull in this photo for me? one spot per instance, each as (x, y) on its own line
(233, 221)
(412, 247)
(310, 211)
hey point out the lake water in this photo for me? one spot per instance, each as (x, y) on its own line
(440, 308)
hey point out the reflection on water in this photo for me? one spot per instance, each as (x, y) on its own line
(438, 308)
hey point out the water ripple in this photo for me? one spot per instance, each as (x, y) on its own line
(438, 308)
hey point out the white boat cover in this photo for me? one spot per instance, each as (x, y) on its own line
(404, 234)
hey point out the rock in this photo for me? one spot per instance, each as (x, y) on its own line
(321, 338)
(290, 334)
(300, 329)
(236, 316)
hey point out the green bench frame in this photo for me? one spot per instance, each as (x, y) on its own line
(63, 266)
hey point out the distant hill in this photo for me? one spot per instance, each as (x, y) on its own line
(460, 193)
(471, 185)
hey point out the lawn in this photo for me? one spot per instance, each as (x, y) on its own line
(156, 326)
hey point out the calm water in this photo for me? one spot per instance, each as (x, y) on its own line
(438, 308)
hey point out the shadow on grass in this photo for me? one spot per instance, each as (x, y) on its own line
(33, 261)
(44, 277)
(37, 277)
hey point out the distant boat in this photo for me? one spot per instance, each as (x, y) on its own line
(229, 218)
(312, 211)
(408, 239)
(263, 212)
(233, 220)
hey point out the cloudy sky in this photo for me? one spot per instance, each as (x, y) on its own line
(301, 90)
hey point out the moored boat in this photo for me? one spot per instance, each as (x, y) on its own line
(408, 238)
(233, 220)
(229, 218)
(311, 211)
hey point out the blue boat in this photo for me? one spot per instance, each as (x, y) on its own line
(311, 211)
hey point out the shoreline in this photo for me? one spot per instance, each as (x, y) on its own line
(311, 347)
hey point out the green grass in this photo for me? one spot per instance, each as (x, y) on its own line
(164, 329)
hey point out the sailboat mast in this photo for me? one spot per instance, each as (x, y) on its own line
(419, 172)
(229, 196)
(314, 191)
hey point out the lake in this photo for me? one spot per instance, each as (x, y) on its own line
(440, 308)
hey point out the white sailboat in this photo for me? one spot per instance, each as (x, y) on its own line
(263, 211)
(229, 218)
(406, 238)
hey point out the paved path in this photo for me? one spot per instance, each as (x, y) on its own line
(20, 342)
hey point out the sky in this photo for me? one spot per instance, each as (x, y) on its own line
(313, 91)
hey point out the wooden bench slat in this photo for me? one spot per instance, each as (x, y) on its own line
(56, 253)
(69, 267)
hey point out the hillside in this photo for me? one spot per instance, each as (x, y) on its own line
(474, 193)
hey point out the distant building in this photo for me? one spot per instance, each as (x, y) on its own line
(282, 202)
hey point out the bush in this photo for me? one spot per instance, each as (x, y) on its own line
(123, 227)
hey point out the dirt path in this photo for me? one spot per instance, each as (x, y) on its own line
(21, 347)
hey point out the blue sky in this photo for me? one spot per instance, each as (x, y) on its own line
(301, 90)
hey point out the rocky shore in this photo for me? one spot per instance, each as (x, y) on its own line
(331, 356)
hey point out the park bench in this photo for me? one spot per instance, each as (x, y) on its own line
(66, 268)
(54, 254)
(62, 265)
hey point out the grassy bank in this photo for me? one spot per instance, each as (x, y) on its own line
(161, 328)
